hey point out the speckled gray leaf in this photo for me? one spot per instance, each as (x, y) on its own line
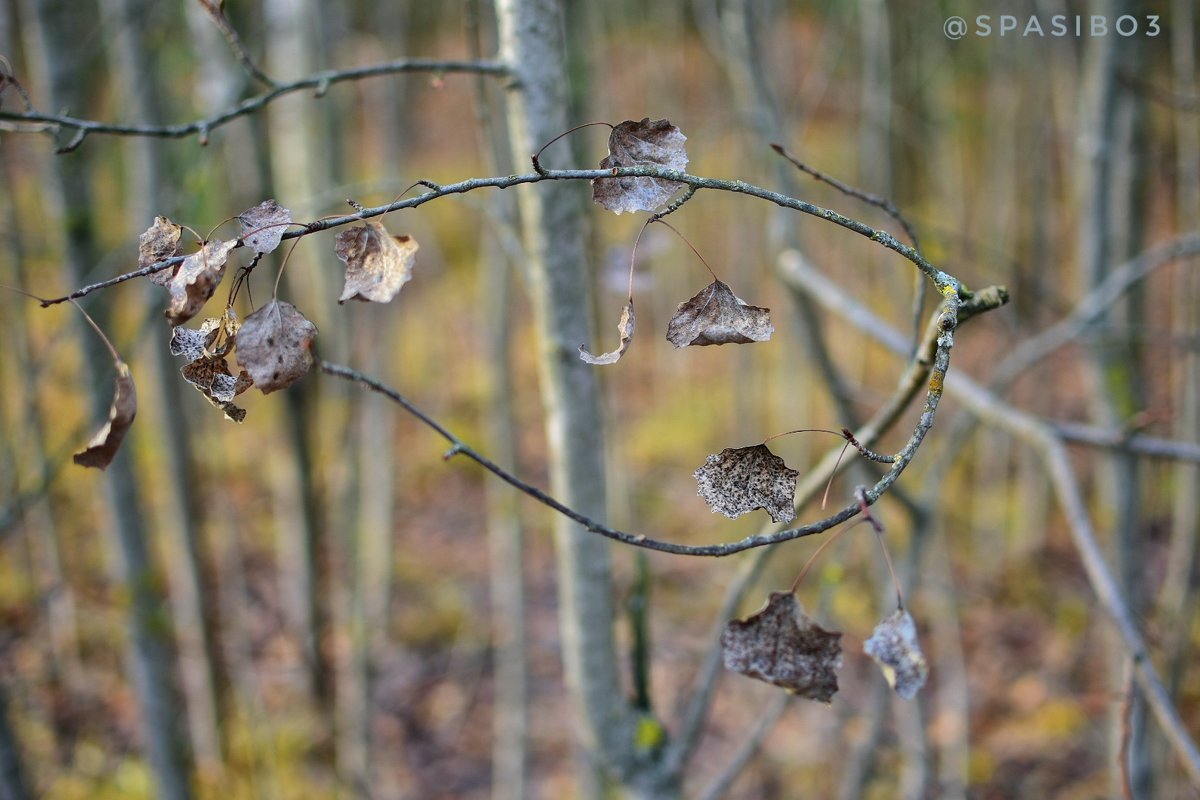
(715, 315)
(649, 143)
(625, 326)
(263, 226)
(783, 646)
(894, 647)
(743, 479)
(275, 346)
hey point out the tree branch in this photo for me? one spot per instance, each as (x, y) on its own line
(319, 81)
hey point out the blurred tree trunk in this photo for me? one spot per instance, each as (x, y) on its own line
(183, 516)
(12, 774)
(531, 41)
(58, 33)
(1110, 231)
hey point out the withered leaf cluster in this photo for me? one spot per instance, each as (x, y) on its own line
(655, 143)
(207, 369)
(742, 479)
(782, 646)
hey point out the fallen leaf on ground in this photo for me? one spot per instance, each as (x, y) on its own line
(783, 646)
(158, 243)
(104, 445)
(715, 315)
(649, 143)
(275, 346)
(196, 279)
(377, 263)
(625, 326)
(894, 646)
(264, 225)
(743, 479)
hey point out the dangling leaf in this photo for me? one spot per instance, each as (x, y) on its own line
(715, 315)
(625, 326)
(275, 346)
(158, 243)
(640, 144)
(207, 370)
(742, 479)
(377, 264)
(263, 226)
(783, 646)
(196, 279)
(104, 445)
(894, 647)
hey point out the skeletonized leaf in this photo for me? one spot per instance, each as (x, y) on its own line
(103, 446)
(894, 647)
(649, 143)
(196, 279)
(377, 263)
(741, 479)
(159, 242)
(255, 221)
(275, 346)
(194, 344)
(625, 326)
(715, 315)
(783, 646)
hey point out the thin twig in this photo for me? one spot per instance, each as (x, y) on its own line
(749, 748)
(202, 127)
(217, 13)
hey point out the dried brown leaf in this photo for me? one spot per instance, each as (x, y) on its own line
(275, 346)
(715, 315)
(377, 264)
(894, 646)
(648, 143)
(159, 242)
(783, 646)
(196, 279)
(263, 226)
(625, 326)
(104, 445)
(207, 369)
(742, 479)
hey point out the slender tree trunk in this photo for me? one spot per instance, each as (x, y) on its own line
(183, 517)
(13, 785)
(58, 38)
(531, 40)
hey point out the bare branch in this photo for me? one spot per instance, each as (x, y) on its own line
(750, 743)
(201, 128)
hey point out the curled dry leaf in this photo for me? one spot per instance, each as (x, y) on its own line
(211, 376)
(741, 479)
(894, 646)
(715, 315)
(159, 242)
(275, 346)
(377, 263)
(196, 279)
(104, 445)
(625, 326)
(783, 646)
(649, 143)
(263, 226)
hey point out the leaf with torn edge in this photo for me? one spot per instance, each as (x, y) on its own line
(104, 445)
(158, 243)
(742, 479)
(625, 326)
(263, 226)
(212, 378)
(894, 646)
(377, 263)
(783, 646)
(649, 143)
(196, 279)
(715, 315)
(274, 345)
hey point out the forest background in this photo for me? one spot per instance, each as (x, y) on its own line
(343, 613)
